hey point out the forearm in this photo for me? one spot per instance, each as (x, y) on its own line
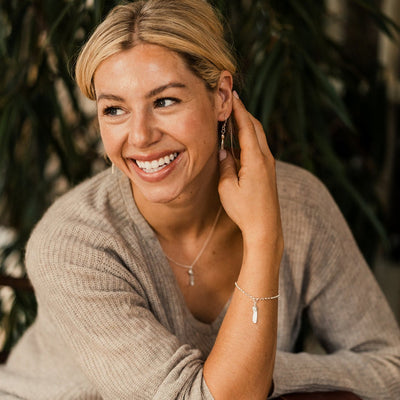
(370, 375)
(241, 362)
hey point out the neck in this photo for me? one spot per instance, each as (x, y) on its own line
(187, 216)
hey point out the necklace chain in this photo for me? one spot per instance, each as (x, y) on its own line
(190, 267)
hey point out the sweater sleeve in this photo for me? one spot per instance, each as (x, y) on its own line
(103, 315)
(348, 314)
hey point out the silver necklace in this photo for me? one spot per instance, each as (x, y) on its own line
(190, 267)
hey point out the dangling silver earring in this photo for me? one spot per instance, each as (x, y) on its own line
(112, 168)
(223, 130)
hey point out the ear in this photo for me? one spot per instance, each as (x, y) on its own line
(223, 101)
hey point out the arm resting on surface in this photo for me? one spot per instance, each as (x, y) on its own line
(347, 310)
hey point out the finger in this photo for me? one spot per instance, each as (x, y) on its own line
(261, 136)
(248, 140)
(227, 166)
(228, 177)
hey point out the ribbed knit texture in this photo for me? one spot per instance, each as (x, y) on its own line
(113, 324)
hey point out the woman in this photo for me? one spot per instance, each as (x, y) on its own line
(161, 280)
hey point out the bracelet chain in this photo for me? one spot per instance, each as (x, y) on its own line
(255, 301)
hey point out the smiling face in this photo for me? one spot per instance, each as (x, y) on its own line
(158, 121)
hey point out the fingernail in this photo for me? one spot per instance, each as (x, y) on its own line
(235, 93)
(222, 155)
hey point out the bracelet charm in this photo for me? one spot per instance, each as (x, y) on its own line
(255, 300)
(255, 312)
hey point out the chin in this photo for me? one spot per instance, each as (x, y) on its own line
(159, 195)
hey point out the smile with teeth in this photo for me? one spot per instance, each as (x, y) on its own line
(156, 165)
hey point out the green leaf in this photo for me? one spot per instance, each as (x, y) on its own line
(263, 75)
(298, 6)
(270, 90)
(329, 92)
(380, 18)
(338, 169)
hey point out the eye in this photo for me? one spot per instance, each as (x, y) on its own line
(113, 111)
(165, 102)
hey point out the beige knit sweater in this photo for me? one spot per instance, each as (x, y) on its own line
(112, 322)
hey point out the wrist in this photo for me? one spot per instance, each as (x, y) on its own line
(266, 240)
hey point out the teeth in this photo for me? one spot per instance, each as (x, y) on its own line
(156, 165)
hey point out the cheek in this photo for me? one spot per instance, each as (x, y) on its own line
(200, 134)
(111, 137)
(202, 125)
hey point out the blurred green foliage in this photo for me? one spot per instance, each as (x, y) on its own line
(303, 85)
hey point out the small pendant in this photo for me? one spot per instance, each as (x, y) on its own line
(191, 277)
(222, 141)
(255, 313)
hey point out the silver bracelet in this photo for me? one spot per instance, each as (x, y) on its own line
(255, 301)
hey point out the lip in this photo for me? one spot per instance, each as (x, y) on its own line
(153, 156)
(154, 176)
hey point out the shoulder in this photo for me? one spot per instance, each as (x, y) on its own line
(82, 227)
(299, 185)
(92, 239)
(301, 192)
(310, 216)
(85, 203)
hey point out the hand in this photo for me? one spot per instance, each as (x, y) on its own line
(249, 194)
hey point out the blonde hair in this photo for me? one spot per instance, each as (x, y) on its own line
(191, 28)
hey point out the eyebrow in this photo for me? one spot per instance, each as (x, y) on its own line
(109, 97)
(152, 93)
(160, 89)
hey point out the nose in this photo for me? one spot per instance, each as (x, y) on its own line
(142, 130)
